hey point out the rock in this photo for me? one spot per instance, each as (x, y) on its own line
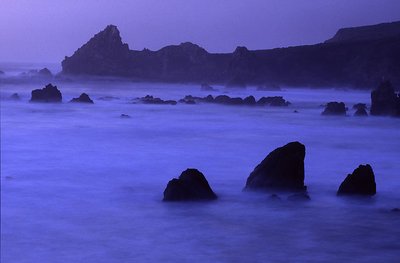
(395, 210)
(209, 98)
(45, 72)
(360, 182)
(360, 109)
(277, 101)
(49, 93)
(207, 87)
(83, 98)
(299, 197)
(295, 111)
(191, 185)
(222, 99)
(152, 100)
(335, 108)
(250, 100)
(125, 116)
(384, 101)
(282, 169)
(15, 96)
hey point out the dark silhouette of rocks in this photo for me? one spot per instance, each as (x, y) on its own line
(83, 98)
(250, 100)
(397, 210)
(45, 72)
(34, 73)
(385, 101)
(358, 63)
(335, 108)
(282, 169)
(360, 182)
(148, 99)
(125, 116)
(190, 186)
(361, 109)
(276, 101)
(49, 93)
(15, 96)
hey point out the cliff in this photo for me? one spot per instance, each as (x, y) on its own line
(337, 62)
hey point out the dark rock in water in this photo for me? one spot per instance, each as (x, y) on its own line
(49, 93)
(360, 182)
(361, 109)
(125, 116)
(299, 197)
(222, 99)
(250, 100)
(282, 169)
(15, 96)
(45, 72)
(207, 87)
(209, 98)
(152, 100)
(335, 108)
(277, 101)
(83, 98)
(384, 100)
(191, 185)
(295, 111)
(396, 210)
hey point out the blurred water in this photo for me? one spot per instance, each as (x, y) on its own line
(80, 184)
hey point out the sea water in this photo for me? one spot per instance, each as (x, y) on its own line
(81, 184)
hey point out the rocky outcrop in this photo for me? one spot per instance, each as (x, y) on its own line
(358, 63)
(335, 108)
(361, 109)
(385, 101)
(49, 93)
(83, 98)
(148, 99)
(276, 101)
(190, 186)
(282, 169)
(103, 54)
(360, 182)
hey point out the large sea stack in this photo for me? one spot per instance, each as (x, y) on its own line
(385, 101)
(282, 169)
(360, 182)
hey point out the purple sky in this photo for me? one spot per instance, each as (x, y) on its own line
(47, 30)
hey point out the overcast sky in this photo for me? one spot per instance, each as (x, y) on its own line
(47, 30)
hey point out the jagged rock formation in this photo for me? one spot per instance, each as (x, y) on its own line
(384, 100)
(334, 63)
(276, 101)
(191, 185)
(148, 99)
(282, 169)
(335, 108)
(49, 93)
(360, 182)
(83, 98)
(361, 109)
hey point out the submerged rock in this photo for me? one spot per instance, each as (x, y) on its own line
(335, 108)
(49, 93)
(360, 182)
(15, 96)
(250, 100)
(299, 197)
(384, 100)
(361, 109)
(282, 169)
(191, 185)
(45, 72)
(83, 98)
(125, 116)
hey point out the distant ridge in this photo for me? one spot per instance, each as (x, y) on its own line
(357, 57)
(363, 33)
